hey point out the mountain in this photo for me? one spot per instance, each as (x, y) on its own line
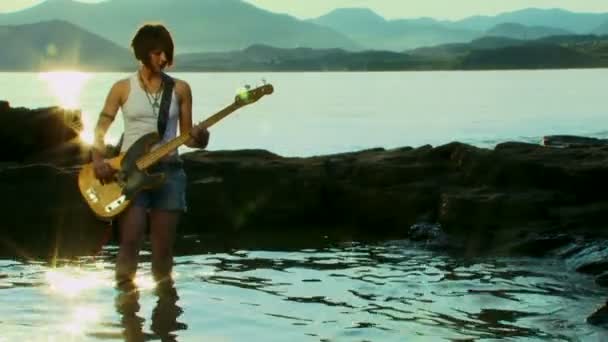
(455, 50)
(372, 31)
(196, 25)
(59, 45)
(573, 51)
(568, 51)
(580, 23)
(527, 56)
(601, 29)
(62, 45)
(262, 58)
(519, 31)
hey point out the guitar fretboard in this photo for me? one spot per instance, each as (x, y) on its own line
(154, 156)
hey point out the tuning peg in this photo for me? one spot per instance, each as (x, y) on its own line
(247, 86)
(264, 81)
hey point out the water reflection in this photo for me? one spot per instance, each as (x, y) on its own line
(353, 292)
(384, 291)
(164, 315)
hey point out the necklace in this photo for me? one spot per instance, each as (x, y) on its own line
(153, 98)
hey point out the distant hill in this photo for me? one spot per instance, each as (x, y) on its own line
(374, 32)
(527, 56)
(197, 25)
(62, 45)
(579, 23)
(572, 51)
(602, 29)
(261, 57)
(451, 51)
(519, 31)
(59, 45)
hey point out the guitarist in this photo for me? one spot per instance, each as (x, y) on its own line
(139, 98)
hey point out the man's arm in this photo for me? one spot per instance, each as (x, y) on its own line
(106, 117)
(199, 138)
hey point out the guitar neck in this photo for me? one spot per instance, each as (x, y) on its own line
(154, 156)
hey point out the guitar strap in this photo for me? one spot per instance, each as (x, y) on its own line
(165, 103)
(163, 112)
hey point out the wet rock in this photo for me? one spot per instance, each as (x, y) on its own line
(41, 135)
(600, 316)
(487, 199)
(592, 258)
(595, 267)
(602, 279)
(425, 232)
(541, 245)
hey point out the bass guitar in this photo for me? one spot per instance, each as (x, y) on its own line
(110, 198)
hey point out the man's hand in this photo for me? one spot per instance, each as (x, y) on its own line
(103, 171)
(200, 136)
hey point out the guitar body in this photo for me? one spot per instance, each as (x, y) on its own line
(110, 199)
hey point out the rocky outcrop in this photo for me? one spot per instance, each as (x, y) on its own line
(40, 135)
(516, 197)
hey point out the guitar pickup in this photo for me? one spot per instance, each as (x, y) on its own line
(92, 195)
(115, 204)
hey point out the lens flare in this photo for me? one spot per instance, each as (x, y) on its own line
(66, 86)
(87, 135)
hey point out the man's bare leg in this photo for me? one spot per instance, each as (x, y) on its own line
(132, 225)
(163, 224)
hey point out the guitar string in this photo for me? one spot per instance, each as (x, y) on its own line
(160, 152)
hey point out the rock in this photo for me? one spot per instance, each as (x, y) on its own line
(41, 135)
(432, 236)
(43, 214)
(540, 245)
(591, 258)
(523, 196)
(600, 316)
(595, 267)
(425, 232)
(602, 279)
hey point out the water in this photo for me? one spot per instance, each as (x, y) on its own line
(349, 292)
(321, 113)
(337, 292)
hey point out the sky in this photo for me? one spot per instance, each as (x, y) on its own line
(392, 9)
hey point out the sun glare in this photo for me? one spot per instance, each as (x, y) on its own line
(87, 135)
(66, 86)
(71, 282)
(82, 317)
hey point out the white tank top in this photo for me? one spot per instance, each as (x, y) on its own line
(140, 119)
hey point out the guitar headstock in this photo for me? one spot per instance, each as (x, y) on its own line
(248, 95)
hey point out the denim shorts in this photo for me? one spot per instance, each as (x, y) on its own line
(171, 195)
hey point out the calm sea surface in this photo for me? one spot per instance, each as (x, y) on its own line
(348, 291)
(320, 113)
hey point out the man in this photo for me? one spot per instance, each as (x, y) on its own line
(138, 97)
